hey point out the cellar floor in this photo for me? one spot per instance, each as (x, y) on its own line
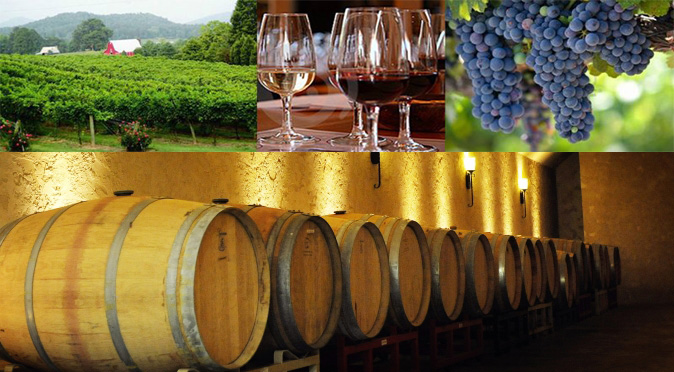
(629, 338)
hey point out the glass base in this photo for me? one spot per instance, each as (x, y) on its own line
(281, 138)
(354, 140)
(410, 146)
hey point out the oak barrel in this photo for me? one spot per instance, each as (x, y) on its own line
(306, 278)
(448, 274)
(549, 254)
(480, 273)
(508, 265)
(606, 262)
(531, 274)
(410, 267)
(567, 283)
(539, 248)
(575, 267)
(600, 265)
(578, 248)
(133, 283)
(616, 269)
(365, 277)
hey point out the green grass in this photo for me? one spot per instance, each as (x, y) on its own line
(59, 140)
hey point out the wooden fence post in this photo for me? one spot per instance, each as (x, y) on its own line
(91, 128)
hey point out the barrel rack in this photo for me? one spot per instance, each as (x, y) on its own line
(337, 352)
(541, 319)
(507, 330)
(454, 342)
(285, 361)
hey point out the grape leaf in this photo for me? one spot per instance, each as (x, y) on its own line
(599, 66)
(655, 7)
(461, 9)
(630, 3)
(670, 59)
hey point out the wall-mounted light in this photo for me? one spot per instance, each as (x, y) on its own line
(469, 164)
(523, 184)
(375, 159)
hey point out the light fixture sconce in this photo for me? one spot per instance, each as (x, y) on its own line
(375, 159)
(469, 164)
(523, 184)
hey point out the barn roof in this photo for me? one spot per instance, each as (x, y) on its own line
(128, 45)
(51, 49)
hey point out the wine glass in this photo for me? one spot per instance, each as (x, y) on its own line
(372, 66)
(286, 65)
(439, 26)
(357, 136)
(423, 73)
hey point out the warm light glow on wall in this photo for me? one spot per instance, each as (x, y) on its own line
(268, 187)
(411, 178)
(444, 171)
(63, 182)
(328, 183)
(485, 193)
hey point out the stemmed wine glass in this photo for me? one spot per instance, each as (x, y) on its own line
(439, 27)
(372, 66)
(286, 65)
(422, 56)
(357, 136)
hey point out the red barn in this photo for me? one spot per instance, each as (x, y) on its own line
(116, 47)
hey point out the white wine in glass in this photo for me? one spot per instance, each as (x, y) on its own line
(286, 65)
(286, 81)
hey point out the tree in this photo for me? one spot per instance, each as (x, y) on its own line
(163, 49)
(91, 34)
(244, 51)
(244, 18)
(5, 46)
(25, 41)
(213, 44)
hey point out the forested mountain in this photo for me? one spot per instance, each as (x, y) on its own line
(124, 26)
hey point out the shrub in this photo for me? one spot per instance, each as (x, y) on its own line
(135, 137)
(13, 134)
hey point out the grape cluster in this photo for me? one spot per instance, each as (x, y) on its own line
(627, 49)
(560, 38)
(589, 29)
(606, 27)
(492, 70)
(561, 74)
(513, 18)
(536, 120)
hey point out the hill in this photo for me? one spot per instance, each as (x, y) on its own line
(222, 17)
(124, 26)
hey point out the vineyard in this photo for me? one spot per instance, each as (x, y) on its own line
(532, 67)
(164, 94)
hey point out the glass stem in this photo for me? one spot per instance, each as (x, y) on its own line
(358, 123)
(286, 124)
(372, 144)
(405, 134)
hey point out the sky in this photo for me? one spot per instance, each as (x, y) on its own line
(179, 11)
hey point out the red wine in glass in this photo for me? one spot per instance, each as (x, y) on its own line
(420, 83)
(373, 89)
